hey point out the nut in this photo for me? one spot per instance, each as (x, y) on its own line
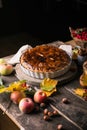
(65, 100)
(55, 112)
(59, 127)
(42, 105)
(46, 117)
(50, 114)
(45, 111)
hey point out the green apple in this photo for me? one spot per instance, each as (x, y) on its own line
(6, 69)
(2, 61)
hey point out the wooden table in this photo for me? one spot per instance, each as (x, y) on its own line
(73, 116)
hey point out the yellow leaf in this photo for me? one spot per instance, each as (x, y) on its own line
(48, 86)
(2, 90)
(79, 91)
(15, 86)
(49, 93)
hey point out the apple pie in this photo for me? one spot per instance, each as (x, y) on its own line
(45, 61)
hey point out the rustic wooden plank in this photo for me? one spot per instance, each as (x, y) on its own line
(34, 120)
(76, 110)
(16, 116)
(71, 86)
(14, 113)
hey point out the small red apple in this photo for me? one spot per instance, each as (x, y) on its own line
(6, 69)
(26, 105)
(40, 96)
(16, 96)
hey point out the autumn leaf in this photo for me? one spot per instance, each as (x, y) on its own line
(81, 92)
(14, 86)
(49, 93)
(2, 90)
(48, 86)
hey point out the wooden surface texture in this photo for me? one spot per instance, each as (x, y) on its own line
(73, 116)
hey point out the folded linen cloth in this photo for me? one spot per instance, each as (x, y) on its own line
(68, 49)
(16, 58)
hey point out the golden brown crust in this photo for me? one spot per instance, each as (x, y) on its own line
(44, 58)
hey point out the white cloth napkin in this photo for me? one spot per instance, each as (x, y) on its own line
(68, 49)
(16, 58)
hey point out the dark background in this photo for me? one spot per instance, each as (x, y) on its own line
(45, 20)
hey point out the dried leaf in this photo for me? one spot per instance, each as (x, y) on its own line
(2, 90)
(18, 85)
(48, 86)
(80, 91)
(49, 93)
